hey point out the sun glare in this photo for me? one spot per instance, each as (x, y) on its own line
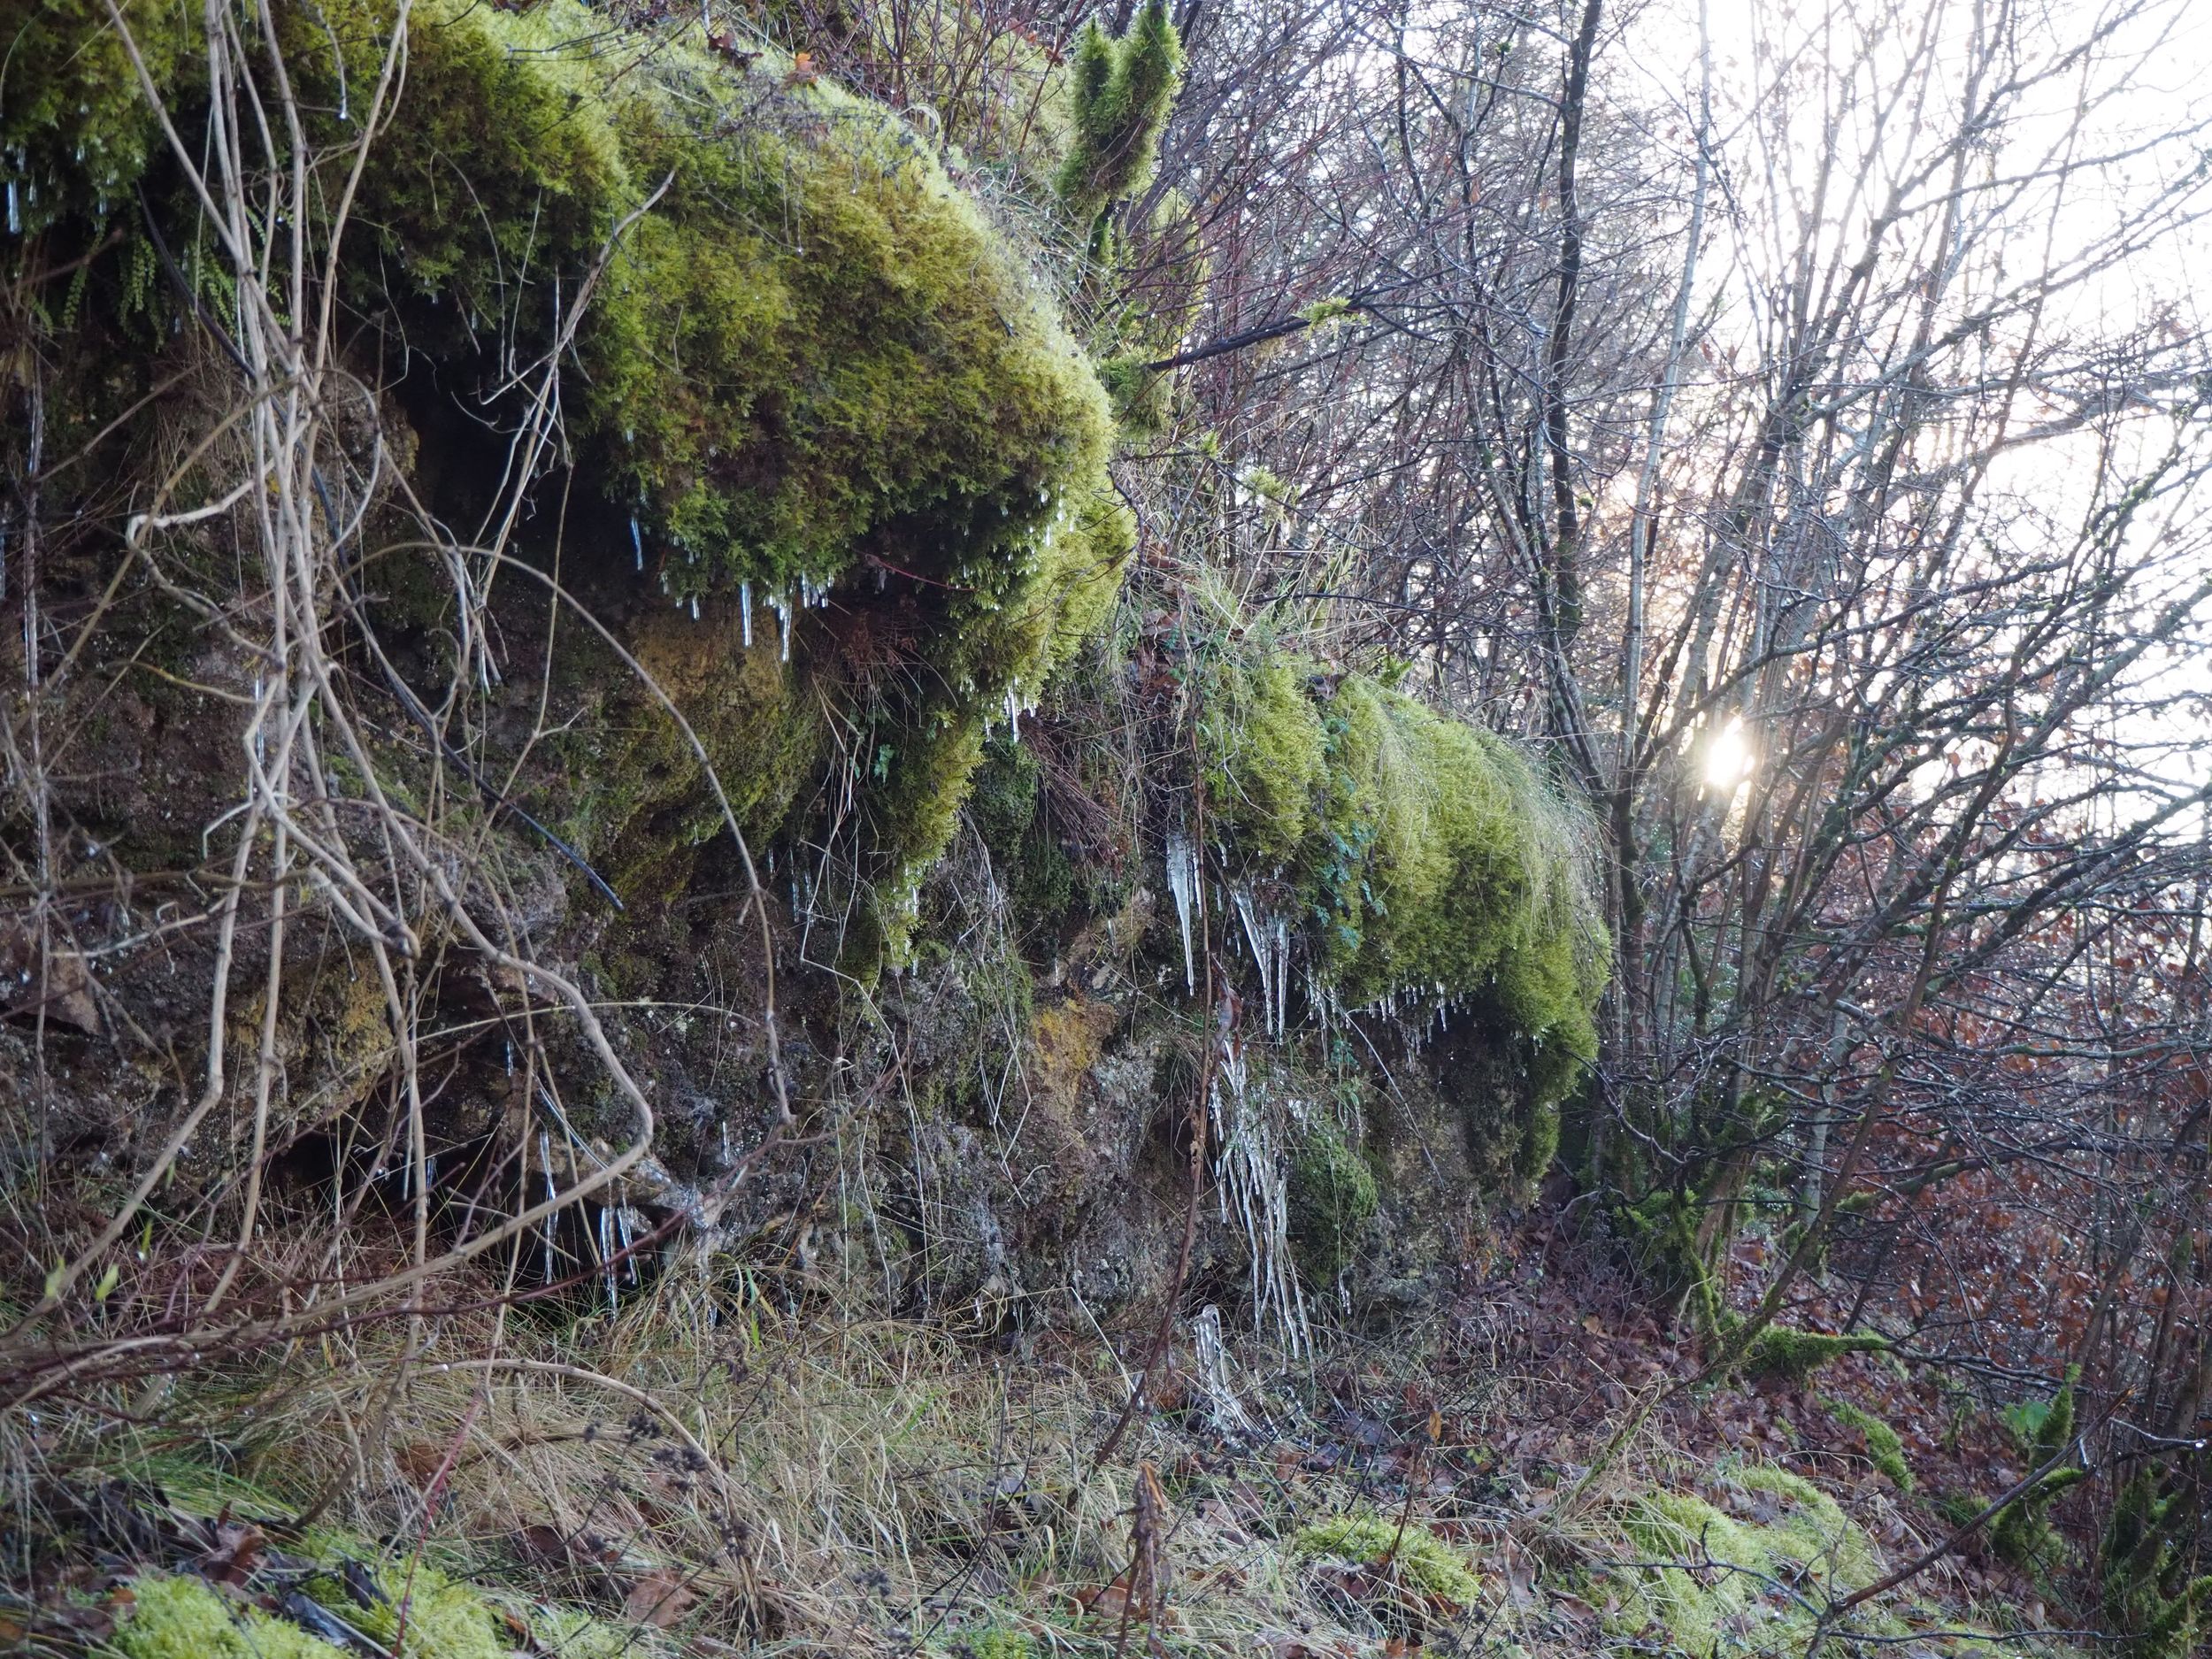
(1728, 757)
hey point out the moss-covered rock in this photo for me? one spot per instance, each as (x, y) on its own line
(1428, 855)
(794, 353)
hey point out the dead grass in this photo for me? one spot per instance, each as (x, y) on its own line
(813, 1478)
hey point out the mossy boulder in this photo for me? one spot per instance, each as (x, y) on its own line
(811, 364)
(797, 361)
(1427, 856)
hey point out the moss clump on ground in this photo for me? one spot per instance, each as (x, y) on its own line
(1732, 1564)
(444, 1619)
(996, 1641)
(181, 1617)
(1885, 1447)
(1424, 1561)
(1333, 1196)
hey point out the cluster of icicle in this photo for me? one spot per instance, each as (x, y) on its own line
(1018, 703)
(619, 1225)
(1254, 1194)
(1421, 1012)
(810, 596)
(1269, 936)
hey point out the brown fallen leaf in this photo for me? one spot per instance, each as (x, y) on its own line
(660, 1599)
(232, 1560)
(56, 982)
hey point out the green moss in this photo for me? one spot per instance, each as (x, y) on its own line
(182, 1617)
(1732, 1565)
(1786, 1352)
(1120, 93)
(75, 129)
(444, 1619)
(1471, 874)
(1424, 1561)
(1332, 1196)
(2143, 1570)
(1265, 753)
(635, 796)
(1427, 855)
(1885, 1447)
(568, 1633)
(2020, 1534)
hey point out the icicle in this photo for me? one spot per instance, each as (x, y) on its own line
(606, 1257)
(1182, 880)
(15, 213)
(1282, 976)
(694, 607)
(745, 613)
(511, 1057)
(637, 541)
(629, 1238)
(545, 1163)
(1263, 958)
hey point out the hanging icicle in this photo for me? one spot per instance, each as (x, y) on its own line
(1182, 881)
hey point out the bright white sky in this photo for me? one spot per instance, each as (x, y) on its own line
(2152, 82)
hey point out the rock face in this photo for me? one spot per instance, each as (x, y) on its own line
(705, 461)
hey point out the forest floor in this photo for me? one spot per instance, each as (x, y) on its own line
(709, 1473)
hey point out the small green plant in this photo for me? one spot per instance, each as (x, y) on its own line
(1333, 1196)
(2020, 1534)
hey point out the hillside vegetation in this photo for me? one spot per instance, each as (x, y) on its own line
(753, 906)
